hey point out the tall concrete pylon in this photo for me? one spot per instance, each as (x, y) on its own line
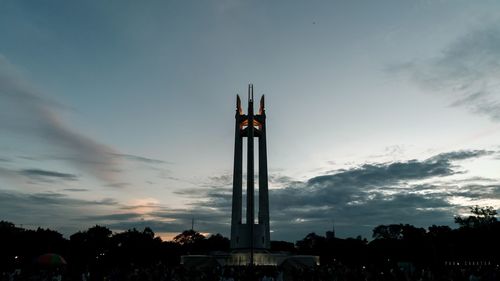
(250, 235)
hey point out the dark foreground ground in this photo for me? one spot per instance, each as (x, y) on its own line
(331, 272)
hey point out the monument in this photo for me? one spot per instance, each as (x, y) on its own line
(250, 241)
(250, 235)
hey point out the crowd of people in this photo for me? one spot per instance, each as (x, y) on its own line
(328, 272)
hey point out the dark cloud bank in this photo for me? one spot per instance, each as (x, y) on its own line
(355, 200)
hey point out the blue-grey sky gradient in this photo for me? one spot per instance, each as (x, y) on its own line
(121, 113)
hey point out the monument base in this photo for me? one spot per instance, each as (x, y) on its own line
(242, 258)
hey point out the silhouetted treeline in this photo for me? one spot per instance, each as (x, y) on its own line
(476, 240)
(97, 249)
(407, 243)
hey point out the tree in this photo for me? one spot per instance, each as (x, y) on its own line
(94, 240)
(188, 237)
(282, 246)
(398, 232)
(482, 216)
(217, 242)
(312, 243)
(148, 232)
(6, 225)
(439, 230)
(392, 231)
(139, 247)
(412, 233)
(90, 246)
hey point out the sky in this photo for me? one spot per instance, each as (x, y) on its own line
(121, 113)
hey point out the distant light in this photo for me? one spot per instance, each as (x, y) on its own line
(16, 257)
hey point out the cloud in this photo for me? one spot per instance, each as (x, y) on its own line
(141, 159)
(23, 110)
(379, 174)
(461, 155)
(50, 209)
(384, 174)
(118, 184)
(112, 217)
(36, 173)
(469, 69)
(356, 199)
(157, 226)
(76, 189)
(172, 220)
(163, 219)
(53, 198)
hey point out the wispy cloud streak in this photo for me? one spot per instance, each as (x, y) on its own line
(468, 69)
(25, 111)
(36, 173)
(141, 159)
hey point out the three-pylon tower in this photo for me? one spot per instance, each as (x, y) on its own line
(250, 235)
